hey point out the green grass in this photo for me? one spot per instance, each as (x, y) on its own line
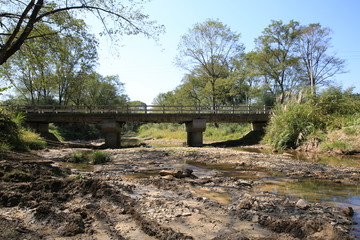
(15, 137)
(212, 133)
(55, 130)
(31, 140)
(90, 157)
(332, 112)
(99, 157)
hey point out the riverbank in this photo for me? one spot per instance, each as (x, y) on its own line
(166, 193)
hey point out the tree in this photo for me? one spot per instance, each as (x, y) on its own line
(20, 20)
(275, 57)
(211, 48)
(318, 67)
(46, 69)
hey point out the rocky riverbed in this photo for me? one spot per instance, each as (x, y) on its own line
(166, 193)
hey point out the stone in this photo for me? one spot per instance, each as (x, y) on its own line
(245, 204)
(349, 211)
(302, 204)
(255, 219)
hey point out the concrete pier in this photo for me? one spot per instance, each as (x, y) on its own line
(195, 130)
(112, 132)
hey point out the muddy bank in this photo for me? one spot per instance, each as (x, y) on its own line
(170, 193)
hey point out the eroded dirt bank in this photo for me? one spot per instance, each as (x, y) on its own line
(170, 193)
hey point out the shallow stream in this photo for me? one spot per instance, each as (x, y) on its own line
(315, 190)
(312, 190)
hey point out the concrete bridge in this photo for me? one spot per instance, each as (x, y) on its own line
(112, 118)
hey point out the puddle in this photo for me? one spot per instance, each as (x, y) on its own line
(313, 190)
(344, 160)
(232, 170)
(220, 197)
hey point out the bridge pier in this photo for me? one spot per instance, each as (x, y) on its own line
(195, 130)
(111, 130)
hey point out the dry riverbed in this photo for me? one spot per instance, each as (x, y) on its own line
(166, 193)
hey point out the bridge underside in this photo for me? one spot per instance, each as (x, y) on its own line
(111, 123)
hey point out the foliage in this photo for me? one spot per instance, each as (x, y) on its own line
(9, 133)
(32, 140)
(21, 22)
(99, 157)
(77, 157)
(93, 157)
(162, 131)
(316, 65)
(289, 57)
(79, 131)
(13, 136)
(222, 132)
(291, 124)
(209, 52)
(275, 59)
(55, 131)
(294, 123)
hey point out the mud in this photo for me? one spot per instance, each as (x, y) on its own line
(169, 193)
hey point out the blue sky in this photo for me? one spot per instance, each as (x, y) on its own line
(147, 68)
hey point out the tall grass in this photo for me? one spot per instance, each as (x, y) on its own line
(293, 124)
(13, 136)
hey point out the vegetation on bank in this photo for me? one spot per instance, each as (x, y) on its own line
(329, 121)
(213, 133)
(14, 136)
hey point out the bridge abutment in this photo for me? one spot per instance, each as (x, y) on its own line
(195, 130)
(112, 133)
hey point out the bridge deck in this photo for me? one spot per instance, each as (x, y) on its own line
(146, 114)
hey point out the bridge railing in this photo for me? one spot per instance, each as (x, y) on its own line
(146, 109)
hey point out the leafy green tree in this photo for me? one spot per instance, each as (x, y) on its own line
(22, 20)
(275, 59)
(30, 73)
(103, 91)
(210, 48)
(316, 64)
(44, 70)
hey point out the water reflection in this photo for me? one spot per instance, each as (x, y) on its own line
(314, 190)
(338, 160)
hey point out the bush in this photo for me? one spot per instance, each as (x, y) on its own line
(293, 123)
(32, 140)
(99, 157)
(13, 136)
(55, 130)
(94, 157)
(77, 157)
